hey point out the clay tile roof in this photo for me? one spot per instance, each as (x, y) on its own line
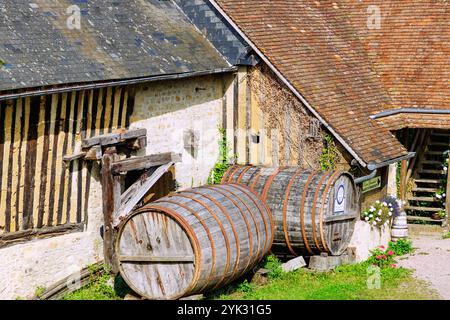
(117, 39)
(317, 47)
(410, 50)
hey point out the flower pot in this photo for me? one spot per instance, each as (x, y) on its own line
(436, 216)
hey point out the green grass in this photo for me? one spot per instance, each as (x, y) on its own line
(446, 236)
(344, 283)
(99, 287)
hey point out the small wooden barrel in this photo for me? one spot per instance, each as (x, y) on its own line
(193, 241)
(313, 211)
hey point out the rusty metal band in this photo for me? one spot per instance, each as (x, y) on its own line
(192, 238)
(211, 240)
(227, 174)
(325, 192)
(302, 210)
(269, 184)
(220, 189)
(242, 174)
(224, 234)
(233, 229)
(285, 203)
(313, 210)
(232, 173)
(253, 195)
(253, 185)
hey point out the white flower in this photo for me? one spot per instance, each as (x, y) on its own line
(374, 223)
(372, 209)
(438, 196)
(443, 195)
(445, 168)
(380, 212)
(367, 219)
(370, 215)
(377, 202)
(391, 209)
(404, 202)
(390, 204)
(378, 219)
(384, 204)
(390, 214)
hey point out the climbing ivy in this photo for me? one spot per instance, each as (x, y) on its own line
(329, 154)
(224, 162)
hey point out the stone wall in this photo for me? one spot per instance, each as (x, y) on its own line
(180, 116)
(42, 262)
(366, 238)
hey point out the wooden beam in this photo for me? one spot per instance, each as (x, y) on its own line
(111, 194)
(447, 198)
(113, 138)
(94, 153)
(137, 191)
(144, 163)
(73, 157)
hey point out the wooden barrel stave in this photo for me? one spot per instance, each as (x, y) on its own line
(223, 231)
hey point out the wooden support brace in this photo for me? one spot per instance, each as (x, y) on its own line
(111, 191)
(137, 191)
(144, 163)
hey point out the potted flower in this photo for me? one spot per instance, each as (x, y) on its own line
(380, 213)
(439, 215)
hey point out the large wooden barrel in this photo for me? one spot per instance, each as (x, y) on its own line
(193, 241)
(313, 211)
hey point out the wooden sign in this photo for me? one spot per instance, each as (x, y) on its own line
(371, 184)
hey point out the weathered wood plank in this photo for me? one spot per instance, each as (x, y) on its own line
(161, 259)
(137, 191)
(144, 163)
(113, 138)
(75, 156)
(109, 202)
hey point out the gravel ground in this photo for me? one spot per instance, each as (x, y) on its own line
(431, 261)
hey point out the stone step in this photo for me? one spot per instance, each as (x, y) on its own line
(427, 199)
(432, 171)
(435, 181)
(434, 162)
(435, 153)
(427, 209)
(441, 134)
(425, 189)
(416, 218)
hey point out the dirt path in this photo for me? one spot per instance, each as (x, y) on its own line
(431, 261)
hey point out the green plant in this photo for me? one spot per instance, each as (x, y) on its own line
(446, 236)
(441, 214)
(382, 258)
(401, 247)
(379, 214)
(273, 264)
(99, 287)
(245, 286)
(39, 291)
(224, 161)
(329, 154)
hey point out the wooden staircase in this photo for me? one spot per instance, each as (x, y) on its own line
(428, 177)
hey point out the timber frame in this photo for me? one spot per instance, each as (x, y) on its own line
(117, 205)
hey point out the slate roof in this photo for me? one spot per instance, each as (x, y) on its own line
(315, 47)
(118, 39)
(217, 30)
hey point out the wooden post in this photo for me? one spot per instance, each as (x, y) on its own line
(404, 168)
(111, 203)
(447, 198)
